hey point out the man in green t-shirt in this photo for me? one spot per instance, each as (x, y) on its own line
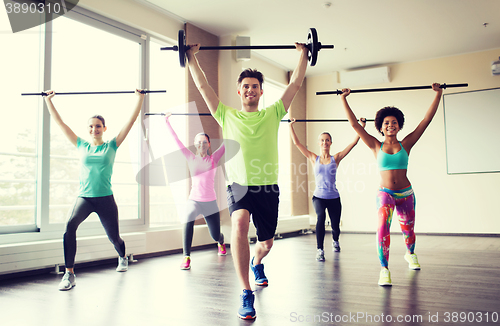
(253, 173)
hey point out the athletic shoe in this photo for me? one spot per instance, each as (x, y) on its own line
(122, 264)
(258, 271)
(246, 311)
(385, 277)
(68, 281)
(186, 264)
(320, 255)
(221, 249)
(412, 261)
(336, 246)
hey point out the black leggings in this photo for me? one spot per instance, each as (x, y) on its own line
(210, 212)
(334, 208)
(107, 210)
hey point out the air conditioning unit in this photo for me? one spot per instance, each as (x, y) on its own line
(495, 67)
(361, 77)
(243, 55)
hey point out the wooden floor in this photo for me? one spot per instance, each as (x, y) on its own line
(460, 277)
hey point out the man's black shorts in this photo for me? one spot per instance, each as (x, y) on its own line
(261, 201)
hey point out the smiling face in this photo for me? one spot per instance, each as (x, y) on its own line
(202, 145)
(250, 91)
(390, 126)
(325, 141)
(96, 128)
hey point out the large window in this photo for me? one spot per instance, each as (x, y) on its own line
(165, 73)
(19, 59)
(39, 167)
(108, 63)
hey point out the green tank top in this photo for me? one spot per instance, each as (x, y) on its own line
(396, 161)
(96, 168)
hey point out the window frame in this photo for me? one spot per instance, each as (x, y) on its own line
(42, 229)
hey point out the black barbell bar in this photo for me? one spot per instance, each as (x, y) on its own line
(284, 120)
(161, 113)
(88, 93)
(312, 44)
(321, 120)
(388, 89)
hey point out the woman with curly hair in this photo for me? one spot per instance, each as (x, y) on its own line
(395, 192)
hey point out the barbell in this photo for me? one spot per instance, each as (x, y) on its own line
(312, 44)
(322, 120)
(161, 113)
(388, 89)
(88, 93)
(284, 120)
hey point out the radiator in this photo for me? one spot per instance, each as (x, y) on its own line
(27, 256)
(43, 254)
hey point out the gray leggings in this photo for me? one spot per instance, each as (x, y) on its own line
(107, 210)
(210, 212)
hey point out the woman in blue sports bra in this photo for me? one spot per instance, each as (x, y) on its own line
(326, 195)
(395, 192)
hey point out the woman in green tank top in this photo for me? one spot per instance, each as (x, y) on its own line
(95, 195)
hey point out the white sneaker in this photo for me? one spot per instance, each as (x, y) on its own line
(68, 281)
(336, 246)
(320, 255)
(122, 264)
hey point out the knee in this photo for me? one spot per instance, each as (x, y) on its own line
(70, 230)
(240, 222)
(267, 245)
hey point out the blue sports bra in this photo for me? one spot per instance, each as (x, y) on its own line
(396, 161)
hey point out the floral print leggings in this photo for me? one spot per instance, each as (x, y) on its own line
(403, 201)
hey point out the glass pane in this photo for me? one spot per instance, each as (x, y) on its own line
(20, 74)
(85, 58)
(165, 73)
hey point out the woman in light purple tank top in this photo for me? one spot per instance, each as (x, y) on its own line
(326, 195)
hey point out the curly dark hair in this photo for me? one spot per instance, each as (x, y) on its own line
(389, 111)
(251, 73)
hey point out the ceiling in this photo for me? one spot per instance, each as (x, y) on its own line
(365, 33)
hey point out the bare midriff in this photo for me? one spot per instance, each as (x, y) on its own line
(394, 179)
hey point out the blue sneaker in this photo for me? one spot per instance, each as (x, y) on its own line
(246, 311)
(258, 271)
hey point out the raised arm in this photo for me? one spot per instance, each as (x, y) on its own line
(340, 155)
(307, 153)
(368, 139)
(126, 129)
(297, 77)
(218, 153)
(57, 118)
(200, 79)
(187, 153)
(414, 136)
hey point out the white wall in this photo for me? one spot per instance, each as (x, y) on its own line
(445, 203)
(137, 15)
